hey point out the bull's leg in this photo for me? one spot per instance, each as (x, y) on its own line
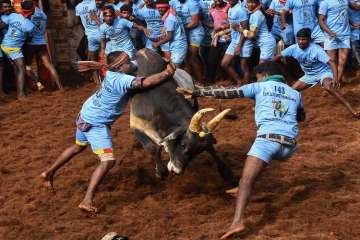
(155, 150)
(224, 171)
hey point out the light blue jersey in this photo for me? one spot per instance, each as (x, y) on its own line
(107, 104)
(83, 10)
(19, 28)
(313, 60)
(276, 107)
(264, 39)
(178, 44)
(205, 6)
(39, 19)
(337, 18)
(153, 20)
(118, 33)
(185, 11)
(287, 35)
(305, 16)
(237, 14)
(354, 17)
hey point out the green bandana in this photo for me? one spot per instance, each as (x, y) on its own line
(275, 78)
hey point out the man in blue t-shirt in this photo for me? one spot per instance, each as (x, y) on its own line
(36, 47)
(278, 108)
(19, 28)
(304, 16)
(189, 13)
(91, 18)
(239, 20)
(173, 33)
(117, 31)
(316, 65)
(151, 15)
(97, 115)
(334, 21)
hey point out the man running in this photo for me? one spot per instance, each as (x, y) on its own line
(96, 116)
(317, 66)
(278, 108)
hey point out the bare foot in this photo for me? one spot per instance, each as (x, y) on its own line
(233, 192)
(234, 229)
(48, 180)
(21, 97)
(87, 206)
(356, 115)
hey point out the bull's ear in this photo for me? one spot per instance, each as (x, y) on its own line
(173, 135)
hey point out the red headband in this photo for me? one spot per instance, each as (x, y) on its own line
(164, 5)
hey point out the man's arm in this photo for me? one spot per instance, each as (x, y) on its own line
(155, 79)
(324, 27)
(102, 47)
(194, 21)
(168, 37)
(219, 93)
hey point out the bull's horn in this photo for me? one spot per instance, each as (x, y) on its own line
(213, 123)
(195, 124)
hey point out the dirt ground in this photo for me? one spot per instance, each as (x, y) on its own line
(313, 195)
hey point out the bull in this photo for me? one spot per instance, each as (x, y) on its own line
(162, 118)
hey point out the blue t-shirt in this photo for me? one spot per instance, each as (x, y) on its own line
(257, 20)
(354, 16)
(205, 6)
(174, 24)
(19, 28)
(118, 34)
(83, 10)
(39, 19)
(186, 10)
(108, 102)
(277, 6)
(237, 14)
(337, 18)
(276, 107)
(313, 60)
(304, 14)
(153, 20)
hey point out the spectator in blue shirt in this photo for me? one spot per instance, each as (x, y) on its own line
(19, 28)
(334, 21)
(278, 108)
(36, 47)
(316, 65)
(96, 116)
(354, 15)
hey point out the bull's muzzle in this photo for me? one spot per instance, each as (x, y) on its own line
(175, 166)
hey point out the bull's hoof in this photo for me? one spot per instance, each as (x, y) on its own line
(114, 236)
(161, 173)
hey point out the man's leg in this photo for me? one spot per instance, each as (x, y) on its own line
(300, 85)
(343, 54)
(252, 168)
(19, 71)
(101, 170)
(227, 65)
(246, 69)
(50, 67)
(327, 85)
(195, 63)
(64, 157)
